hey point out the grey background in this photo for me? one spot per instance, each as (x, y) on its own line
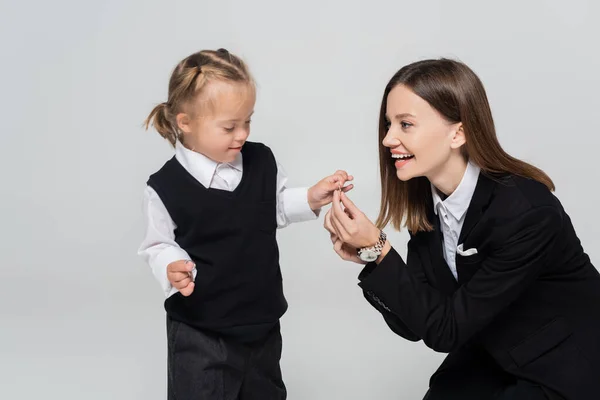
(82, 316)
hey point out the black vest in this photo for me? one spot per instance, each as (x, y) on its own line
(231, 237)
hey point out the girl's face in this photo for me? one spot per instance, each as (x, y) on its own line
(421, 141)
(219, 122)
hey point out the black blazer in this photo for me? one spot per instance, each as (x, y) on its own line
(529, 297)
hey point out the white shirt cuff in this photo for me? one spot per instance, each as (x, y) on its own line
(295, 205)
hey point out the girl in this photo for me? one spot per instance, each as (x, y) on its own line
(212, 212)
(495, 274)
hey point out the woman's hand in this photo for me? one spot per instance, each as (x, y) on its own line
(350, 224)
(343, 250)
(349, 227)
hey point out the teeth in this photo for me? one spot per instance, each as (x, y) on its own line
(401, 156)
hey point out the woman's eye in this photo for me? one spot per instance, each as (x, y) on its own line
(405, 125)
(230, 129)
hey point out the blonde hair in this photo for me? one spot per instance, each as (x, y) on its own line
(188, 80)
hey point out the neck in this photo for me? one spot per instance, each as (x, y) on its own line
(193, 147)
(188, 146)
(448, 176)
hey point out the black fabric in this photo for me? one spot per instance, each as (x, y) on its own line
(471, 374)
(529, 296)
(231, 237)
(207, 366)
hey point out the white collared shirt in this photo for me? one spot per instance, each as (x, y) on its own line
(159, 249)
(452, 212)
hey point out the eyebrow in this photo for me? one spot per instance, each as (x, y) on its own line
(400, 116)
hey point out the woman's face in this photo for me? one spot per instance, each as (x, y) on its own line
(420, 140)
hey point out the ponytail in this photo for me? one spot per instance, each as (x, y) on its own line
(159, 118)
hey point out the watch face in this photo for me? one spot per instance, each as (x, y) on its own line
(368, 256)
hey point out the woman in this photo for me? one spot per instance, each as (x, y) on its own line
(495, 274)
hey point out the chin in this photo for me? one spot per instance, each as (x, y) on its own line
(404, 176)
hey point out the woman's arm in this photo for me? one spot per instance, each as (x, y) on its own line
(445, 323)
(391, 318)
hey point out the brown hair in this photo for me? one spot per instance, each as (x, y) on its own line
(455, 91)
(189, 78)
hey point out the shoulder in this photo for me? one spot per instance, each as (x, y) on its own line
(522, 194)
(169, 168)
(258, 151)
(256, 146)
(520, 203)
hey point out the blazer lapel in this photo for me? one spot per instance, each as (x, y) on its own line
(481, 198)
(442, 272)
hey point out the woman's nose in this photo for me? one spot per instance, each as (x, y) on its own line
(389, 141)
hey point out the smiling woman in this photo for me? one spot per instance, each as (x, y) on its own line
(426, 116)
(495, 274)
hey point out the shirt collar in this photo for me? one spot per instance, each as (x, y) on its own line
(200, 166)
(458, 202)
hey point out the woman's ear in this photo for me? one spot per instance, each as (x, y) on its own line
(458, 138)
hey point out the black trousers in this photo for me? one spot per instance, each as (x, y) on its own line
(207, 366)
(471, 374)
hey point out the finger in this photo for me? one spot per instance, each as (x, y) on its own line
(349, 205)
(189, 265)
(339, 217)
(348, 213)
(179, 276)
(182, 266)
(352, 255)
(346, 178)
(333, 227)
(337, 246)
(341, 174)
(341, 178)
(183, 283)
(340, 230)
(186, 291)
(345, 254)
(333, 237)
(335, 182)
(347, 188)
(327, 222)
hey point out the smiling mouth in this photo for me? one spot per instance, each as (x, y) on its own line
(402, 157)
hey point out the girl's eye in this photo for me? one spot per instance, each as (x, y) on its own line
(248, 122)
(405, 125)
(230, 129)
(387, 125)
